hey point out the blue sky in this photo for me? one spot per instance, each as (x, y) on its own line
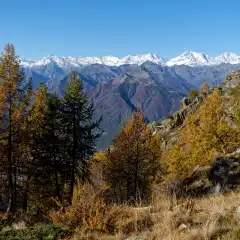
(119, 27)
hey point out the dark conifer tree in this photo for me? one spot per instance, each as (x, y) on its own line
(79, 129)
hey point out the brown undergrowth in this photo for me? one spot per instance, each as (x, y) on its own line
(168, 218)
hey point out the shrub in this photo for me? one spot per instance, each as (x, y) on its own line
(40, 232)
(204, 87)
(193, 93)
(89, 212)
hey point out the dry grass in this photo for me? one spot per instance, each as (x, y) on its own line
(203, 219)
(206, 218)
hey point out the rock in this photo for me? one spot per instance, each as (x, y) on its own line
(225, 173)
(134, 238)
(220, 171)
(7, 228)
(232, 80)
(236, 152)
(217, 189)
(238, 211)
(19, 225)
(183, 227)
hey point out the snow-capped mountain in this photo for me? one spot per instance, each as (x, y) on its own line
(105, 60)
(227, 57)
(188, 58)
(139, 59)
(191, 58)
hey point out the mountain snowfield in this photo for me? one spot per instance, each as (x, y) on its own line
(188, 58)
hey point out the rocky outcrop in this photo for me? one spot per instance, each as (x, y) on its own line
(222, 175)
(232, 80)
(169, 128)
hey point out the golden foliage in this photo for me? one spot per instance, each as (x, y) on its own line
(204, 87)
(40, 105)
(100, 156)
(166, 218)
(89, 212)
(205, 134)
(133, 161)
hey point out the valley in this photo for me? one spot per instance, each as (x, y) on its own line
(117, 87)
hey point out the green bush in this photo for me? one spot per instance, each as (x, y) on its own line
(39, 232)
(156, 124)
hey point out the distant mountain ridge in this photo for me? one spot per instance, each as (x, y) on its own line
(119, 86)
(188, 58)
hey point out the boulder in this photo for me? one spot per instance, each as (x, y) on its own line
(222, 175)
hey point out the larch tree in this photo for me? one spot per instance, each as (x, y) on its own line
(36, 123)
(134, 161)
(13, 95)
(205, 134)
(204, 87)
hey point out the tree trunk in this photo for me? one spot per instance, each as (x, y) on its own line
(58, 194)
(136, 175)
(10, 177)
(57, 187)
(25, 195)
(72, 180)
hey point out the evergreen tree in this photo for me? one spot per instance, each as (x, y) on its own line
(48, 167)
(79, 130)
(37, 164)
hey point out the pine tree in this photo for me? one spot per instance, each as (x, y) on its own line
(79, 130)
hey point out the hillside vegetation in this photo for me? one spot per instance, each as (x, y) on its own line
(175, 179)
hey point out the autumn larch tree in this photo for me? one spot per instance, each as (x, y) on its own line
(134, 161)
(205, 134)
(13, 97)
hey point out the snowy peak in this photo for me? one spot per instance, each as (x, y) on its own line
(43, 61)
(190, 58)
(106, 60)
(139, 59)
(227, 57)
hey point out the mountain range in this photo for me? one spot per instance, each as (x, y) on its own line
(118, 86)
(189, 58)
